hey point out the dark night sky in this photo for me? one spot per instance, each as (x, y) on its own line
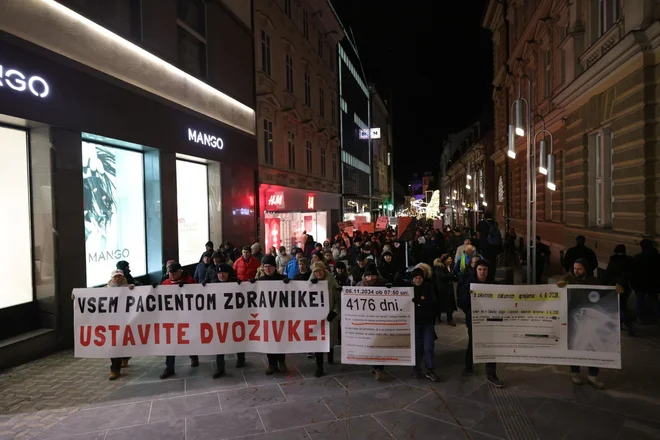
(434, 59)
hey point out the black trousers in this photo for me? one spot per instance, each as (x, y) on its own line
(115, 364)
(273, 359)
(491, 367)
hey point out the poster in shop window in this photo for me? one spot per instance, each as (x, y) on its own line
(545, 324)
(377, 326)
(218, 318)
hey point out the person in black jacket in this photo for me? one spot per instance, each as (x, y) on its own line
(424, 300)
(224, 274)
(388, 268)
(619, 271)
(481, 274)
(580, 251)
(444, 285)
(645, 281)
(276, 361)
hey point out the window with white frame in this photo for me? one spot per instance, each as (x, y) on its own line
(291, 150)
(305, 24)
(308, 156)
(323, 162)
(265, 53)
(308, 90)
(191, 36)
(608, 15)
(269, 157)
(547, 73)
(289, 73)
(600, 178)
(321, 102)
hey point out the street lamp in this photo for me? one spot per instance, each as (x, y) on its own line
(545, 168)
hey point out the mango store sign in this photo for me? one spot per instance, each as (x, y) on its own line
(205, 139)
(20, 82)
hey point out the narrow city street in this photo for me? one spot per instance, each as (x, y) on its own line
(61, 397)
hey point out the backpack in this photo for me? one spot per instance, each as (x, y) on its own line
(494, 235)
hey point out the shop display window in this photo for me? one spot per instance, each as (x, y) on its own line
(193, 209)
(287, 228)
(113, 193)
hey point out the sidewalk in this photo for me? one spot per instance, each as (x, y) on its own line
(61, 397)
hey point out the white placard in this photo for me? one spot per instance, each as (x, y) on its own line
(219, 318)
(377, 326)
(545, 324)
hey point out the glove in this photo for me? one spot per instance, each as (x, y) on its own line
(388, 285)
(131, 286)
(619, 289)
(253, 280)
(238, 282)
(286, 280)
(314, 281)
(332, 315)
(181, 284)
(561, 283)
(204, 284)
(154, 285)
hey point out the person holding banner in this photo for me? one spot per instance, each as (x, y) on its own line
(177, 276)
(581, 274)
(371, 277)
(482, 275)
(276, 361)
(319, 272)
(424, 300)
(224, 275)
(118, 279)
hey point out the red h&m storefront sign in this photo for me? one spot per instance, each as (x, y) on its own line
(275, 201)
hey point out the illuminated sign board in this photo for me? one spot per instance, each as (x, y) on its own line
(275, 200)
(18, 81)
(205, 139)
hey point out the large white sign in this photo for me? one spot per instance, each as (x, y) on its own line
(192, 195)
(377, 326)
(18, 81)
(545, 324)
(15, 220)
(219, 318)
(113, 194)
(205, 139)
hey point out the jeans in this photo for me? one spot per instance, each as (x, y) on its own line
(593, 371)
(169, 361)
(115, 364)
(491, 367)
(424, 339)
(273, 359)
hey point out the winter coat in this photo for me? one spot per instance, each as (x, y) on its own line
(619, 271)
(185, 279)
(303, 276)
(644, 278)
(389, 271)
(334, 305)
(424, 308)
(246, 270)
(444, 286)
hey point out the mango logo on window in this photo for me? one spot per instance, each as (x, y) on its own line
(205, 139)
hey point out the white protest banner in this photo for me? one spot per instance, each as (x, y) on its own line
(545, 324)
(377, 326)
(219, 318)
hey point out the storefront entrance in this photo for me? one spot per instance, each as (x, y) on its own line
(289, 228)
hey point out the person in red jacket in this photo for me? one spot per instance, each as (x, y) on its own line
(246, 266)
(176, 275)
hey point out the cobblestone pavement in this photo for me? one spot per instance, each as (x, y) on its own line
(61, 397)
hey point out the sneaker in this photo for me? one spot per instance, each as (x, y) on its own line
(218, 374)
(594, 382)
(124, 363)
(114, 375)
(167, 373)
(417, 374)
(452, 323)
(194, 362)
(319, 372)
(272, 369)
(577, 380)
(378, 374)
(495, 381)
(310, 356)
(240, 362)
(430, 375)
(469, 371)
(282, 366)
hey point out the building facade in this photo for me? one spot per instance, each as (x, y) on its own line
(354, 117)
(381, 156)
(298, 120)
(128, 133)
(467, 177)
(593, 70)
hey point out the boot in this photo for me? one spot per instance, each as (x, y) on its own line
(124, 362)
(114, 375)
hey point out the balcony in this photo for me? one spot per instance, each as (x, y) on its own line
(603, 45)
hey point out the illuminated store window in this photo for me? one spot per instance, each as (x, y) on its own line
(192, 209)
